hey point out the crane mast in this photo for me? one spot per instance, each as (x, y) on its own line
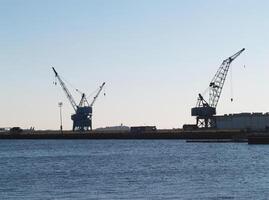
(205, 111)
(83, 101)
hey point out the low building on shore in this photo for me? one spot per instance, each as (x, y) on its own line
(113, 128)
(244, 121)
(143, 129)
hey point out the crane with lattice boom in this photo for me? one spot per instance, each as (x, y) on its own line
(82, 119)
(205, 110)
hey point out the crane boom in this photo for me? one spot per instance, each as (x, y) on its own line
(68, 94)
(100, 89)
(217, 82)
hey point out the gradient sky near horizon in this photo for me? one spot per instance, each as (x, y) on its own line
(154, 55)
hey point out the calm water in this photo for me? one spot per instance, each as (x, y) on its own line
(130, 169)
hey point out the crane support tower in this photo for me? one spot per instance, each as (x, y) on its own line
(82, 119)
(205, 110)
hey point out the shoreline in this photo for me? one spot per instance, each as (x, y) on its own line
(158, 134)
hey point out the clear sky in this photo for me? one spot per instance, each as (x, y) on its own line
(154, 55)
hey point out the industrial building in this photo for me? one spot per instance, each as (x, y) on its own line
(246, 121)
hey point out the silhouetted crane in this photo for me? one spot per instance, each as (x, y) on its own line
(82, 119)
(205, 111)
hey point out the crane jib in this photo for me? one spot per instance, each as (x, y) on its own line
(68, 94)
(217, 82)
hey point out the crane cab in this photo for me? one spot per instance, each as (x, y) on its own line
(203, 111)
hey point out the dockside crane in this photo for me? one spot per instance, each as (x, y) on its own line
(82, 119)
(205, 110)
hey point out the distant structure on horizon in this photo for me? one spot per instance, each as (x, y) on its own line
(114, 128)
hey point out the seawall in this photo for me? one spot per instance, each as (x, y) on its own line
(159, 134)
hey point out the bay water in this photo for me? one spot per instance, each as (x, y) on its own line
(132, 169)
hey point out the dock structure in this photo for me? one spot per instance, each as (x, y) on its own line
(148, 134)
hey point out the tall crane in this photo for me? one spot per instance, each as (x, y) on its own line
(82, 119)
(205, 110)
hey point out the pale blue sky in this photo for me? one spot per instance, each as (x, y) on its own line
(155, 55)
